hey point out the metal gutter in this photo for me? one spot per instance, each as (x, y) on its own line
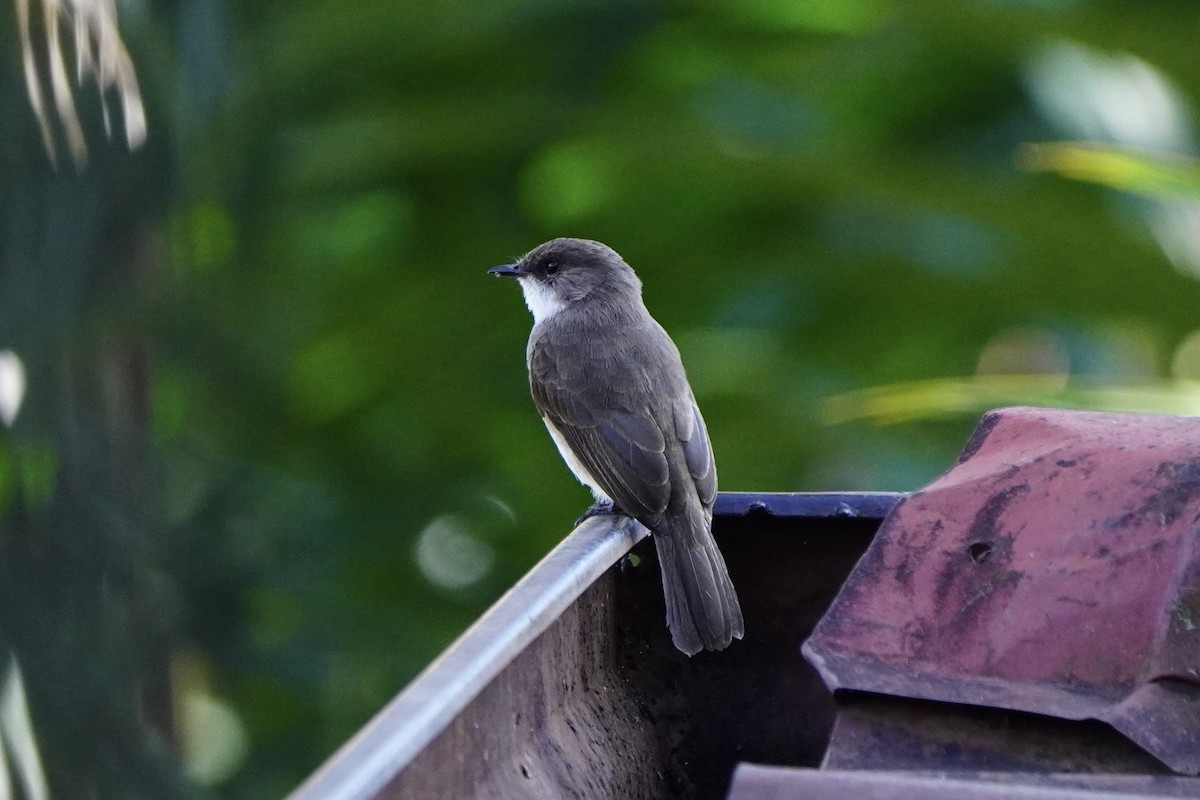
(382, 749)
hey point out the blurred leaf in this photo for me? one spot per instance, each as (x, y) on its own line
(570, 181)
(1155, 175)
(847, 16)
(204, 237)
(99, 54)
(19, 737)
(37, 466)
(332, 376)
(932, 399)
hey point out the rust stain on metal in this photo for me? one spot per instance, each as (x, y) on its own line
(1055, 569)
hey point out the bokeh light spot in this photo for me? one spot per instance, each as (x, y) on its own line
(845, 16)
(569, 181)
(12, 386)
(1025, 351)
(1185, 364)
(449, 556)
(332, 376)
(205, 237)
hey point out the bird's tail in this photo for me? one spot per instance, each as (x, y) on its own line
(703, 612)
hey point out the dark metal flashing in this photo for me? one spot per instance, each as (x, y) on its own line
(808, 505)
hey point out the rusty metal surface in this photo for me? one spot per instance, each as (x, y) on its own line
(758, 782)
(569, 685)
(1055, 569)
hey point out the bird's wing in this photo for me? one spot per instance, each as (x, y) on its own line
(618, 440)
(697, 451)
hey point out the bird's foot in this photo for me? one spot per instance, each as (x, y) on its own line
(597, 509)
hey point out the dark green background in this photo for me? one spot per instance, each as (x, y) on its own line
(265, 361)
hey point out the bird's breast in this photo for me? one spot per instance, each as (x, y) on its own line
(576, 466)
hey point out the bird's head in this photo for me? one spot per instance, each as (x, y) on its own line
(562, 272)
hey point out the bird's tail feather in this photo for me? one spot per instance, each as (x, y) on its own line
(703, 612)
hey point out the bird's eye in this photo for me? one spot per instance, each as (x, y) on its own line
(552, 267)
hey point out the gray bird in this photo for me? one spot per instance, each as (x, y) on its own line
(611, 388)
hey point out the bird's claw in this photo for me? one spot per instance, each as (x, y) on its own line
(597, 509)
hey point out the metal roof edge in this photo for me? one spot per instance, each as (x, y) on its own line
(382, 748)
(414, 718)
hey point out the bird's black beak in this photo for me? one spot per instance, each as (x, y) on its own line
(507, 271)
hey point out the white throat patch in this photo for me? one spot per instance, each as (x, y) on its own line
(542, 302)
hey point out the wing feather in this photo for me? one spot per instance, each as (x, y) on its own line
(622, 445)
(697, 451)
(597, 398)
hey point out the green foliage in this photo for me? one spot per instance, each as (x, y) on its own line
(851, 216)
(1154, 175)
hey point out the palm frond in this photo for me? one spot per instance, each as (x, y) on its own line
(99, 54)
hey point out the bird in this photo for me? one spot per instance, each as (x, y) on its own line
(611, 388)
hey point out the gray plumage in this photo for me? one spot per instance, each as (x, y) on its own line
(611, 388)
